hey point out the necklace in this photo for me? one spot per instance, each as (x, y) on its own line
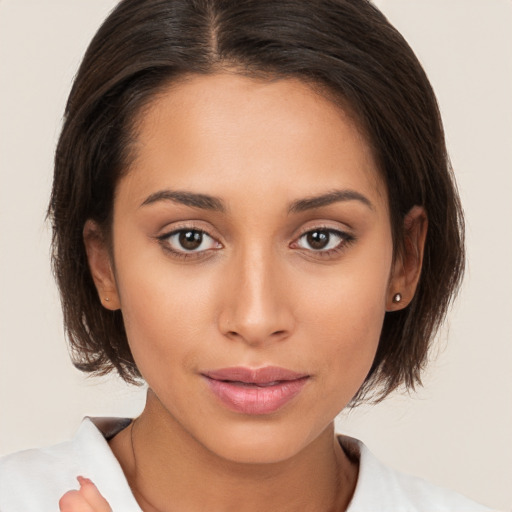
(144, 503)
(146, 506)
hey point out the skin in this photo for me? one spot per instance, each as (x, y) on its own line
(255, 293)
(85, 499)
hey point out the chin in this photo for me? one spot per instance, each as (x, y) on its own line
(257, 442)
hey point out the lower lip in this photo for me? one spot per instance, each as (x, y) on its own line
(256, 400)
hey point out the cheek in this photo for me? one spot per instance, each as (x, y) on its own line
(344, 354)
(165, 311)
(345, 318)
(348, 336)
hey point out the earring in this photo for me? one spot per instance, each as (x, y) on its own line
(107, 299)
(397, 298)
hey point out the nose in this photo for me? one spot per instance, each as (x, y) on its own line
(257, 306)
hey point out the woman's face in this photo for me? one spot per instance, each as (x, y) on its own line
(253, 262)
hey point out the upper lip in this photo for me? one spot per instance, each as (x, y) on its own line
(263, 375)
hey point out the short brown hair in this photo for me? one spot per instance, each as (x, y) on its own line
(346, 46)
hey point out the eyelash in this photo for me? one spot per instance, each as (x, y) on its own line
(345, 240)
(184, 254)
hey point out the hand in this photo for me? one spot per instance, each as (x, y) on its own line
(86, 499)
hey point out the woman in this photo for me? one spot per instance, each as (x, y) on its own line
(253, 211)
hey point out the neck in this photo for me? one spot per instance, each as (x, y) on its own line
(169, 470)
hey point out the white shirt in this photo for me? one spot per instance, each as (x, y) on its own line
(35, 480)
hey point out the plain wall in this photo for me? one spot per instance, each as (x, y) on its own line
(457, 430)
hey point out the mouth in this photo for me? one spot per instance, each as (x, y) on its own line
(255, 391)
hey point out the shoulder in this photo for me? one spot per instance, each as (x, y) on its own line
(36, 479)
(382, 488)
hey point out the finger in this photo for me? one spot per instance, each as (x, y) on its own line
(93, 497)
(73, 501)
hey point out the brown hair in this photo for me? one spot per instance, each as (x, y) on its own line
(346, 46)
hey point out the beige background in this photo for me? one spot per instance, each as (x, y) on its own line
(456, 431)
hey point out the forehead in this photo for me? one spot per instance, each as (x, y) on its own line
(221, 132)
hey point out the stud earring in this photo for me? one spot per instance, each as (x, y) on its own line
(397, 298)
(107, 299)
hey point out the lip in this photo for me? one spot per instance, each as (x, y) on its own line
(255, 391)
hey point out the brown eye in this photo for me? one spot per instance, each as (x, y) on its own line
(190, 240)
(322, 240)
(317, 239)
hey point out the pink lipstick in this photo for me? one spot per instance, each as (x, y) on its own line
(255, 391)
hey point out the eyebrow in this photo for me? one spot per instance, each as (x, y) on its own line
(192, 199)
(207, 202)
(331, 197)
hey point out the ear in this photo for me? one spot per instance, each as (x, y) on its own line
(100, 265)
(407, 266)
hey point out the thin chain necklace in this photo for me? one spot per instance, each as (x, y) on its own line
(148, 506)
